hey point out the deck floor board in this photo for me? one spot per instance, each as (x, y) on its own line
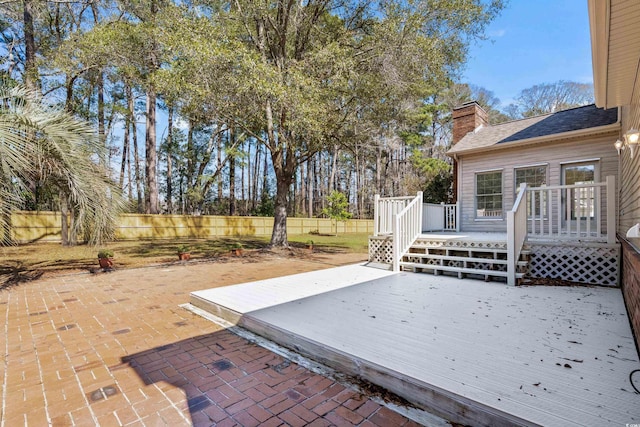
(504, 347)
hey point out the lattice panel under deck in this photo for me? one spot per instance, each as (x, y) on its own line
(381, 250)
(596, 265)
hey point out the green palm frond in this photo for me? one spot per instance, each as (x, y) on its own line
(40, 142)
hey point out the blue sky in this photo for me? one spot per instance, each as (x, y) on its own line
(532, 42)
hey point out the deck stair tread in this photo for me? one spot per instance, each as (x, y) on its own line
(497, 261)
(444, 245)
(474, 257)
(465, 270)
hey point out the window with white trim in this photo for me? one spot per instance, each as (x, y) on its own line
(489, 195)
(533, 176)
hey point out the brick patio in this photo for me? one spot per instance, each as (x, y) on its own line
(116, 349)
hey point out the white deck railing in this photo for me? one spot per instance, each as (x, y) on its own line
(384, 211)
(564, 212)
(573, 212)
(407, 226)
(440, 217)
(516, 233)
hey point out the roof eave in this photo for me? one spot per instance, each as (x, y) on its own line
(599, 12)
(541, 139)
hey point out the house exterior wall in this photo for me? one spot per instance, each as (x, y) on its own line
(552, 154)
(630, 171)
(629, 215)
(631, 285)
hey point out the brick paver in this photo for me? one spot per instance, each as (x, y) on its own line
(116, 349)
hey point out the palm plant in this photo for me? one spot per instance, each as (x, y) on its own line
(41, 143)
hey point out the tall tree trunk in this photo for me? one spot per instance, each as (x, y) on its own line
(151, 194)
(310, 188)
(334, 165)
(73, 236)
(30, 67)
(303, 190)
(379, 171)
(129, 180)
(100, 88)
(136, 154)
(125, 152)
(255, 193)
(243, 193)
(219, 166)
(232, 173)
(284, 178)
(64, 219)
(248, 201)
(170, 161)
(265, 175)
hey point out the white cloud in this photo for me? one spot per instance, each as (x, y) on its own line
(498, 33)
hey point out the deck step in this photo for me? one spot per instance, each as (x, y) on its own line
(458, 248)
(456, 258)
(494, 261)
(433, 256)
(463, 270)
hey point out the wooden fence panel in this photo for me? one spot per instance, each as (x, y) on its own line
(45, 226)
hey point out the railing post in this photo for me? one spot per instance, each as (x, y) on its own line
(395, 227)
(457, 216)
(511, 248)
(376, 212)
(611, 209)
(420, 212)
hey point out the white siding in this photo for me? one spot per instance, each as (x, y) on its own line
(552, 154)
(630, 169)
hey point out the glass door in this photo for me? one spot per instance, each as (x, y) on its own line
(580, 204)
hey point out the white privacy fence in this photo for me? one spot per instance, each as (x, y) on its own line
(440, 217)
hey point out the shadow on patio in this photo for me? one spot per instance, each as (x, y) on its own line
(225, 378)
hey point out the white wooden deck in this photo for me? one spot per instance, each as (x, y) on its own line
(473, 352)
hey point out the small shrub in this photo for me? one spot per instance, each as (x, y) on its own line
(105, 253)
(183, 249)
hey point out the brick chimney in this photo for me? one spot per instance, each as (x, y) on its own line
(467, 118)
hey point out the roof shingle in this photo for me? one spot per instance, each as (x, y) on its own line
(588, 116)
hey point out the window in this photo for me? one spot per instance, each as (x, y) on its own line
(535, 176)
(582, 201)
(489, 195)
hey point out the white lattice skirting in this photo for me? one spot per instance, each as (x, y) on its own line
(381, 249)
(591, 264)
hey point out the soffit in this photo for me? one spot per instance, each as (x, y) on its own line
(615, 44)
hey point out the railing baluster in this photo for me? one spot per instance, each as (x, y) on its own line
(548, 195)
(587, 216)
(573, 211)
(598, 202)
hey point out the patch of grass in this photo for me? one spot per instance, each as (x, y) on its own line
(355, 243)
(34, 259)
